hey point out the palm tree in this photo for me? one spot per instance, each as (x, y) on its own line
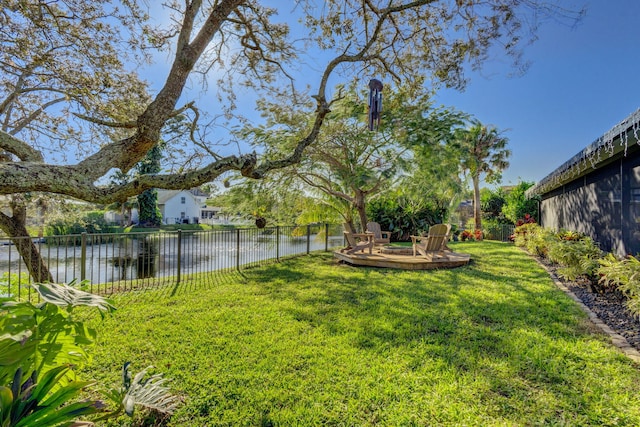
(483, 152)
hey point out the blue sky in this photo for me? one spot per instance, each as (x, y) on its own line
(582, 82)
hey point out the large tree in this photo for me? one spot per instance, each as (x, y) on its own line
(350, 163)
(484, 154)
(434, 175)
(69, 74)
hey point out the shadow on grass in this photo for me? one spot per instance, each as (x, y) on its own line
(460, 314)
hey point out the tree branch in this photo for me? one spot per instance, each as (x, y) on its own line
(97, 121)
(20, 149)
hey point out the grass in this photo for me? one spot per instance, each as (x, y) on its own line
(311, 342)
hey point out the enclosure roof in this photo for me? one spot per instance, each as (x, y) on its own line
(613, 143)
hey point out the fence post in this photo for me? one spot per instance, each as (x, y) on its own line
(179, 257)
(308, 238)
(278, 243)
(326, 237)
(83, 256)
(238, 249)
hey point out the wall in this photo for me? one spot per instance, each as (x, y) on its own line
(173, 207)
(604, 204)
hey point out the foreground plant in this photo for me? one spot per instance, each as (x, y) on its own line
(41, 345)
(150, 393)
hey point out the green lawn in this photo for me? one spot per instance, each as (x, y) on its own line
(311, 342)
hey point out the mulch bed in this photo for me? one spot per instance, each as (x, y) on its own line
(608, 306)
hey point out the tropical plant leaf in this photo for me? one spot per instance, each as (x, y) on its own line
(44, 403)
(150, 393)
(64, 295)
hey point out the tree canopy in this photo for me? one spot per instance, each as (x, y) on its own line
(68, 54)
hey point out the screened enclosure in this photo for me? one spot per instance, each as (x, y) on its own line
(597, 192)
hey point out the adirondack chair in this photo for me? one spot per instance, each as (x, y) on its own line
(356, 241)
(434, 244)
(380, 237)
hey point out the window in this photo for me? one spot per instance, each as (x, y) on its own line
(183, 200)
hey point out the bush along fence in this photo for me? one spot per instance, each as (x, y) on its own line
(578, 257)
(109, 263)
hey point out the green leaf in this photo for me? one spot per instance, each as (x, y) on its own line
(53, 410)
(48, 381)
(53, 416)
(6, 401)
(14, 347)
(49, 408)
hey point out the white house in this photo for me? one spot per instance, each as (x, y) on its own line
(184, 207)
(181, 206)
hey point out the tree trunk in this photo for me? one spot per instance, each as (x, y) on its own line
(123, 215)
(15, 227)
(129, 218)
(361, 208)
(477, 216)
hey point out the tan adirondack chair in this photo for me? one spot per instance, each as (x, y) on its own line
(433, 245)
(356, 241)
(380, 237)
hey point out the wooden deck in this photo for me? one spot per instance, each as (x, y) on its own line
(402, 258)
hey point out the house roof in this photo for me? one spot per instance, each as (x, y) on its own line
(613, 144)
(165, 195)
(198, 192)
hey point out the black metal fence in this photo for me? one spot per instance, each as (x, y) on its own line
(501, 232)
(132, 261)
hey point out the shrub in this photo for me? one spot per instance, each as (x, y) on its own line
(570, 235)
(89, 222)
(540, 240)
(577, 258)
(580, 257)
(534, 238)
(623, 274)
(524, 232)
(527, 219)
(522, 228)
(466, 235)
(404, 218)
(42, 343)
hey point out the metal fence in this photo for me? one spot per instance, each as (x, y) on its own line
(132, 261)
(501, 232)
